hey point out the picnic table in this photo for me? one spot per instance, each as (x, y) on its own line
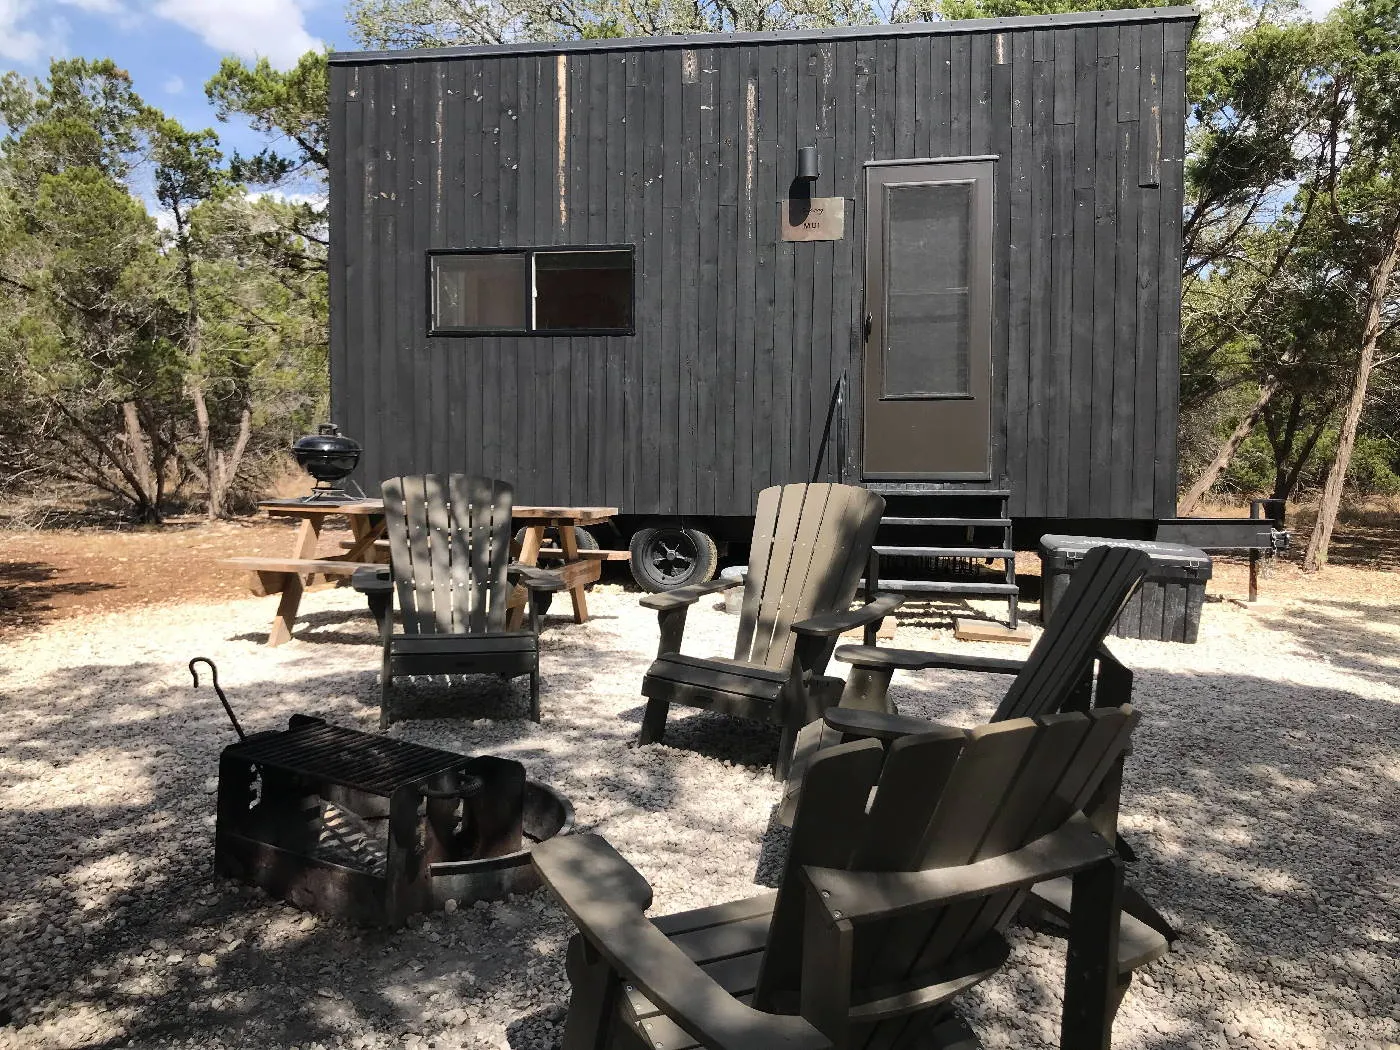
(290, 576)
(579, 568)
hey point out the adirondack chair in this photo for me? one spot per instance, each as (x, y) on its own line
(1060, 674)
(888, 906)
(449, 551)
(810, 544)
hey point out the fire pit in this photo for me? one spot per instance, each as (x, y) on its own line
(371, 830)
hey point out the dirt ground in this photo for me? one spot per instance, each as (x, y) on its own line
(47, 574)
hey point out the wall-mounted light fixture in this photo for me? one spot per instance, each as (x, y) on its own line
(807, 166)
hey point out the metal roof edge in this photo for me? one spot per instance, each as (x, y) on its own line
(787, 36)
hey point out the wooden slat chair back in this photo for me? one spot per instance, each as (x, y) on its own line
(810, 545)
(942, 799)
(450, 570)
(902, 874)
(1062, 661)
(449, 547)
(1058, 676)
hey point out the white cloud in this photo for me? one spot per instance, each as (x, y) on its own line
(99, 7)
(271, 29)
(173, 85)
(22, 46)
(1319, 8)
(316, 199)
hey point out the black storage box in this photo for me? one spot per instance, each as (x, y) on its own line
(1166, 607)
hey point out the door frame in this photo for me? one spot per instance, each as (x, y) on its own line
(983, 237)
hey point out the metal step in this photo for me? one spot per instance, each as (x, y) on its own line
(930, 488)
(945, 552)
(946, 587)
(998, 523)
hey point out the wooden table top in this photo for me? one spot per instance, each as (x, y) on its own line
(303, 509)
(367, 507)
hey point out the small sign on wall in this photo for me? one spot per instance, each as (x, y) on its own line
(812, 218)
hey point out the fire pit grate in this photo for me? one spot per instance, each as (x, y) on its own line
(346, 757)
(370, 829)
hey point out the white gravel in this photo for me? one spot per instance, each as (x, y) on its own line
(1261, 799)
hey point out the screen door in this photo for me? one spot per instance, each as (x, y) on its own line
(928, 294)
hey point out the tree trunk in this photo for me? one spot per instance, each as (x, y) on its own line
(224, 468)
(1316, 556)
(138, 447)
(1227, 451)
(1285, 486)
(215, 506)
(126, 485)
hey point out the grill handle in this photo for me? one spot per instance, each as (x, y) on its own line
(214, 677)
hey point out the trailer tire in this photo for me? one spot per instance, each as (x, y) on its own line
(667, 555)
(586, 541)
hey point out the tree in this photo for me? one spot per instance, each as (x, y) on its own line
(1363, 210)
(189, 173)
(1258, 137)
(291, 106)
(141, 358)
(81, 256)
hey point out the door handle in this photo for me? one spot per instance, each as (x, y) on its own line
(868, 320)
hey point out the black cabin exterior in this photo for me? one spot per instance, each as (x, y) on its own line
(997, 306)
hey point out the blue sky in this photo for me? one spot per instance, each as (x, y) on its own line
(170, 47)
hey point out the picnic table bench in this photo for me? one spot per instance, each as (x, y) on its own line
(289, 576)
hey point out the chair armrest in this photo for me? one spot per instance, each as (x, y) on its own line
(533, 578)
(841, 622)
(372, 580)
(1072, 847)
(687, 595)
(879, 725)
(605, 896)
(918, 660)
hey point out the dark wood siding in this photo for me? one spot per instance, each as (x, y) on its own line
(685, 151)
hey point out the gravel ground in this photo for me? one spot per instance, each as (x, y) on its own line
(1261, 800)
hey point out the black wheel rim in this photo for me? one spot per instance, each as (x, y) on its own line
(672, 556)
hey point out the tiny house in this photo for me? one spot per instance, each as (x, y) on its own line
(942, 260)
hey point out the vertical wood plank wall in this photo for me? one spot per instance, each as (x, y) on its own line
(686, 153)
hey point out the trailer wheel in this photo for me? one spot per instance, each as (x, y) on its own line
(586, 542)
(666, 556)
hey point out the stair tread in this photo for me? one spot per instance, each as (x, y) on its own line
(928, 488)
(999, 523)
(948, 587)
(944, 552)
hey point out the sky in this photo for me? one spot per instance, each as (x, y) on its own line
(170, 47)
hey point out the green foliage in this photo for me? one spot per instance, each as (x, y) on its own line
(293, 104)
(1012, 8)
(1292, 203)
(445, 23)
(145, 359)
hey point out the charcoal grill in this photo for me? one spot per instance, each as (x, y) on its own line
(371, 830)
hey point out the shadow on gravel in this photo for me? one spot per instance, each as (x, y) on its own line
(1262, 814)
(1356, 636)
(311, 627)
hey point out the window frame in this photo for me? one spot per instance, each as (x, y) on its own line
(531, 251)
